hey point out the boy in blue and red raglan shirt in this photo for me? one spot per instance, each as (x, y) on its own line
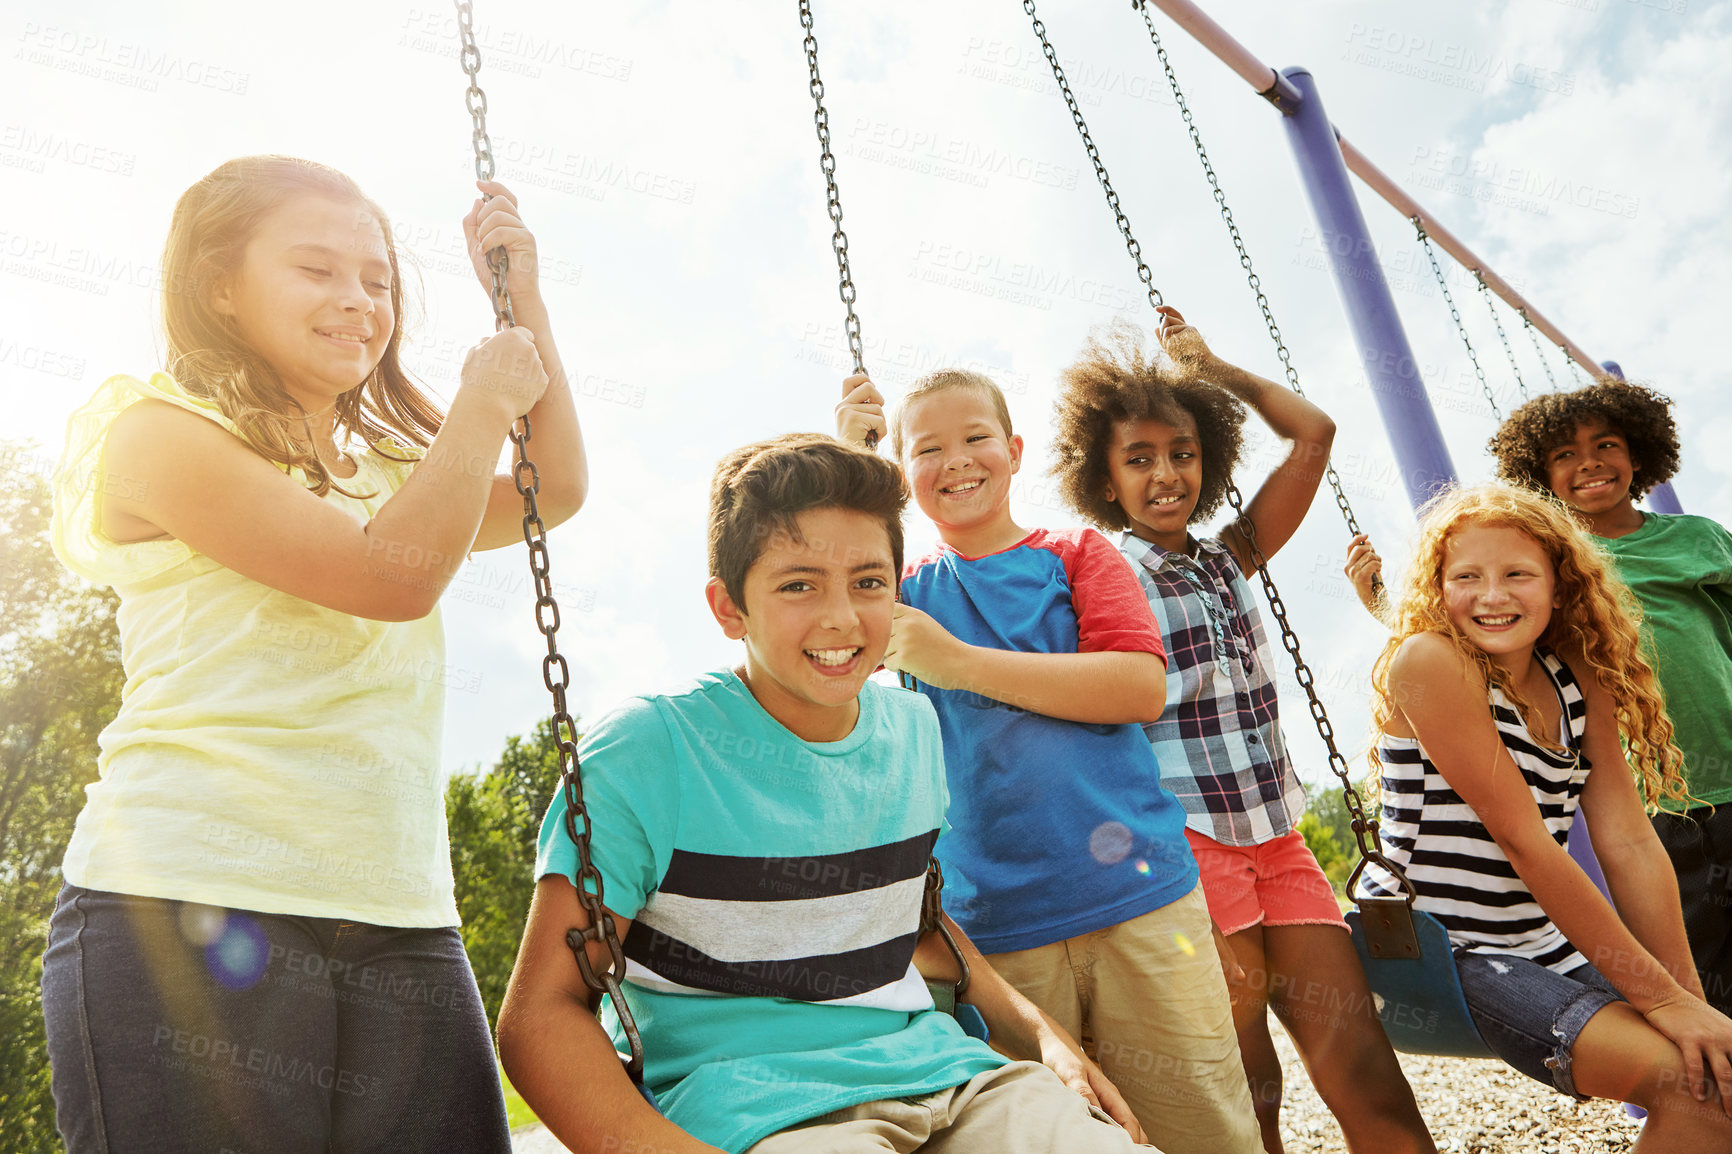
(1066, 861)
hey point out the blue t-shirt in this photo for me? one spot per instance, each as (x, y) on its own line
(1058, 828)
(775, 886)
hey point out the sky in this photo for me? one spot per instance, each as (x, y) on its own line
(667, 161)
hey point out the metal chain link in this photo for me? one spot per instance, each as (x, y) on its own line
(833, 199)
(1364, 828)
(1131, 245)
(1455, 314)
(1539, 349)
(555, 672)
(1251, 276)
(476, 101)
(1575, 369)
(1491, 307)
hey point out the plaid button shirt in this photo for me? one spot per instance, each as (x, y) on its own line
(1218, 741)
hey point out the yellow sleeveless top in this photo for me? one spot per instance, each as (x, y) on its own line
(269, 754)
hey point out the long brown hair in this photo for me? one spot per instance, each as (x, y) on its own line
(1597, 617)
(207, 237)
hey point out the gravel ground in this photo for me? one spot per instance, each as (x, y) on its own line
(1473, 1107)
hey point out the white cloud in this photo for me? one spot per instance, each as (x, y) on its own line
(669, 157)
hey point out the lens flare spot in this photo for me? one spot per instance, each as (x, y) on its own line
(1143, 867)
(238, 956)
(1185, 946)
(201, 925)
(1110, 843)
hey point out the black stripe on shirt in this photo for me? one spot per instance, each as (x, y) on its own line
(728, 878)
(822, 978)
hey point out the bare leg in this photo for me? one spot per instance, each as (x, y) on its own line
(1318, 990)
(1618, 1055)
(1256, 1047)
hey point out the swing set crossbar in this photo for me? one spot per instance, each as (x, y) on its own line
(1280, 92)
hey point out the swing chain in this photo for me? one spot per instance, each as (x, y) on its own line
(1539, 349)
(833, 199)
(1491, 307)
(555, 672)
(1251, 276)
(476, 101)
(1575, 369)
(1364, 828)
(1455, 314)
(1144, 274)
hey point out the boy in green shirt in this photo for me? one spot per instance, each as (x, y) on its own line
(1598, 449)
(762, 840)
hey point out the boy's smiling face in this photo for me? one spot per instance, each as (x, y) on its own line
(1592, 472)
(816, 619)
(959, 460)
(1155, 474)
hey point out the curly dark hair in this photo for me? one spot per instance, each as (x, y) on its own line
(1114, 380)
(1643, 416)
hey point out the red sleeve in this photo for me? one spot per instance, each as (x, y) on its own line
(1112, 613)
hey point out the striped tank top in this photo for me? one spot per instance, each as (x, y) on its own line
(1462, 877)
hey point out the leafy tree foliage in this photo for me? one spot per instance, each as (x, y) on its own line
(495, 818)
(1328, 831)
(60, 682)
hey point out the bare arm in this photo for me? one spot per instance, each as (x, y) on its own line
(1103, 688)
(1364, 571)
(555, 441)
(190, 479)
(555, 1051)
(1018, 1028)
(1285, 495)
(1443, 701)
(1638, 872)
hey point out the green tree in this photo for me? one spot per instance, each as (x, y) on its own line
(60, 682)
(494, 819)
(1327, 829)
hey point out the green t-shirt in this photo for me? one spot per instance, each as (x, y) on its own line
(1680, 569)
(775, 885)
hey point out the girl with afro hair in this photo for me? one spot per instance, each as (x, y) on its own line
(1147, 445)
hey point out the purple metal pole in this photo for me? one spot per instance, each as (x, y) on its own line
(1389, 362)
(1661, 498)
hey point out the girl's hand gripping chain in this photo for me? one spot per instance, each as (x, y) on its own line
(1182, 342)
(495, 223)
(505, 369)
(1364, 569)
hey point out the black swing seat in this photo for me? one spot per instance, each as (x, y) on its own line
(1413, 979)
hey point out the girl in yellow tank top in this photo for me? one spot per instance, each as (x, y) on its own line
(256, 946)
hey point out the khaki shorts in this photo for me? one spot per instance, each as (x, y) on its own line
(1021, 1108)
(1148, 998)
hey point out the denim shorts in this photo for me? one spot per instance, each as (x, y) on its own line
(1530, 1016)
(177, 1027)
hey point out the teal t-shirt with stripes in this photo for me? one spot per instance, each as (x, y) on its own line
(775, 888)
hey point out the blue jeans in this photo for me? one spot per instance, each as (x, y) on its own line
(178, 1027)
(1530, 1016)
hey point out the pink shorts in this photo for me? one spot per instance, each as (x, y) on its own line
(1277, 883)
